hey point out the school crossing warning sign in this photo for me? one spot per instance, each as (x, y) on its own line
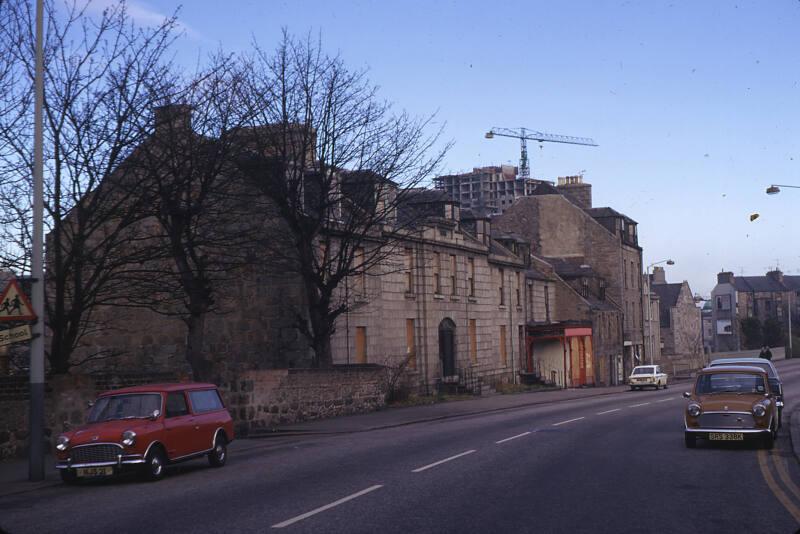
(14, 304)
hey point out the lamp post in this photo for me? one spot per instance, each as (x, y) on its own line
(646, 300)
(774, 189)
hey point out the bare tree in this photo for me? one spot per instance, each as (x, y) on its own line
(201, 222)
(336, 162)
(103, 77)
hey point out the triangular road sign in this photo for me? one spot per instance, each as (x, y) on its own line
(14, 304)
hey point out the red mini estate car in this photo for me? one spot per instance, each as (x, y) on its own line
(145, 428)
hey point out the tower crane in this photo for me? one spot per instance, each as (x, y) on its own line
(525, 135)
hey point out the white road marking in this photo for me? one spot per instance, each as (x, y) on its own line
(326, 507)
(440, 462)
(637, 405)
(609, 411)
(568, 421)
(512, 437)
(667, 400)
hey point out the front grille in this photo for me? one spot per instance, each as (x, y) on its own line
(103, 452)
(727, 420)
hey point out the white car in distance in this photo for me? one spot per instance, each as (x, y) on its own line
(647, 376)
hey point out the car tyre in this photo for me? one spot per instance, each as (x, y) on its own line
(769, 441)
(219, 454)
(68, 476)
(155, 465)
(690, 440)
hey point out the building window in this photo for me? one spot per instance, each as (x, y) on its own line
(361, 344)
(502, 287)
(547, 302)
(409, 270)
(518, 290)
(361, 275)
(411, 346)
(602, 290)
(584, 287)
(453, 271)
(503, 353)
(471, 276)
(437, 270)
(473, 341)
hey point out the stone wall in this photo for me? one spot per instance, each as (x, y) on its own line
(260, 400)
(66, 400)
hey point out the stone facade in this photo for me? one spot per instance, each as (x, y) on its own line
(681, 324)
(735, 298)
(603, 240)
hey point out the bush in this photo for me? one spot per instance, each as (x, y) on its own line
(772, 332)
(752, 335)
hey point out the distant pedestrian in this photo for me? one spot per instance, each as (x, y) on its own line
(765, 353)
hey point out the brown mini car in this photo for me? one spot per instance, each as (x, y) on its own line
(145, 428)
(731, 403)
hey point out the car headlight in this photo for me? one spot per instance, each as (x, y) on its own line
(759, 410)
(128, 438)
(62, 443)
(694, 409)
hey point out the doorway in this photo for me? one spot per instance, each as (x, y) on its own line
(447, 347)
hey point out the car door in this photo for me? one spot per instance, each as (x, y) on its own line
(206, 406)
(178, 426)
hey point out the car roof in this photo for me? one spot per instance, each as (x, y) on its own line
(733, 369)
(158, 388)
(745, 361)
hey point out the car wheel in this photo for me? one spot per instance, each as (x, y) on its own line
(155, 464)
(219, 454)
(690, 440)
(68, 476)
(633, 388)
(769, 441)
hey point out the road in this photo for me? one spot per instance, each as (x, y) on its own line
(614, 463)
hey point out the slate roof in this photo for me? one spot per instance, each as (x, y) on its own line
(668, 297)
(765, 283)
(604, 213)
(570, 267)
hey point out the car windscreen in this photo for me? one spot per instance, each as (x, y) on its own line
(711, 383)
(128, 406)
(761, 365)
(643, 371)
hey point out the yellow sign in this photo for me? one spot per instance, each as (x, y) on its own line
(12, 335)
(14, 304)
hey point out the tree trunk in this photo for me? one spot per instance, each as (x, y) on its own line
(202, 369)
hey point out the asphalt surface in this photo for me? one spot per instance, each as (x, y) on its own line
(613, 463)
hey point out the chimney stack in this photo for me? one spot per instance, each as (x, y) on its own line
(658, 276)
(725, 277)
(575, 189)
(173, 118)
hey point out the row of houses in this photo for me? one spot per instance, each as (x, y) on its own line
(539, 286)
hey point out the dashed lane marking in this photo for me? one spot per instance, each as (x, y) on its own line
(326, 507)
(440, 462)
(512, 437)
(610, 411)
(568, 421)
(666, 400)
(637, 405)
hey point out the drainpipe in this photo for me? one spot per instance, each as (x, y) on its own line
(564, 349)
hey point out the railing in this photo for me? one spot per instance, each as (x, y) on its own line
(469, 381)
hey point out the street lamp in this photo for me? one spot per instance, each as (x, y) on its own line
(774, 189)
(646, 302)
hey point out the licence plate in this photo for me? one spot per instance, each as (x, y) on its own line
(726, 436)
(95, 471)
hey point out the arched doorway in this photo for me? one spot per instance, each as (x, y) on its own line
(447, 346)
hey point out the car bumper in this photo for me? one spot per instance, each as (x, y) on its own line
(120, 463)
(748, 433)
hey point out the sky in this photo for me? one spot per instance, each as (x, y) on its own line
(694, 105)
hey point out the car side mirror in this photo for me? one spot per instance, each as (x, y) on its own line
(687, 395)
(155, 414)
(90, 404)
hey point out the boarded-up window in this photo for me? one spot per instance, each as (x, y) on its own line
(409, 270)
(471, 276)
(411, 347)
(503, 351)
(453, 271)
(437, 273)
(473, 341)
(361, 344)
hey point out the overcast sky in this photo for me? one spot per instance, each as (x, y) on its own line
(694, 104)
